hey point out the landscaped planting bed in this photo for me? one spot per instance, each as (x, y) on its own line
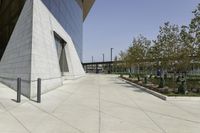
(170, 86)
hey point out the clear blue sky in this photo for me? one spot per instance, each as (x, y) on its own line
(114, 23)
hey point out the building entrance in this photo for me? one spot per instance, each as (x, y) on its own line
(60, 45)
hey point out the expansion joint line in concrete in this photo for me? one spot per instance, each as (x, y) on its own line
(99, 91)
(170, 116)
(12, 107)
(66, 123)
(188, 112)
(63, 101)
(145, 113)
(16, 119)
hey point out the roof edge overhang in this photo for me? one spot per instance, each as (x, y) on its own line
(85, 5)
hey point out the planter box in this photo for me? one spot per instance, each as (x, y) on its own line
(159, 95)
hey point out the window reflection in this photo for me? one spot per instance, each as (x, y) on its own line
(70, 16)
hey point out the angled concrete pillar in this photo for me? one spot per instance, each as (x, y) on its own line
(16, 60)
(31, 52)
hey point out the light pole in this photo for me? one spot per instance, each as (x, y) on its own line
(111, 52)
(103, 62)
(92, 64)
(110, 66)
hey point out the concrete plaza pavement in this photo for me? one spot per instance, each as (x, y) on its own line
(97, 104)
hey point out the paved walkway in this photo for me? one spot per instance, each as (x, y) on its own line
(97, 104)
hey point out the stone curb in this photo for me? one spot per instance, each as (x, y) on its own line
(161, 96)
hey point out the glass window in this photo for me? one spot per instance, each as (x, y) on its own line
(69, 14)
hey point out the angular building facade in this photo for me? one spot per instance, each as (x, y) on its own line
(41, 39)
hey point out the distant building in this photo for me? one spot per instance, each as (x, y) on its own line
(41, 39)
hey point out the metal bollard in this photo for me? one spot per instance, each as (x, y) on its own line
(18, 90)
(39, 90)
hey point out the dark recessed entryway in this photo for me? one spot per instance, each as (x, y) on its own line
(60, 45)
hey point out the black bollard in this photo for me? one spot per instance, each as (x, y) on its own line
(39, 90)
(18, 90)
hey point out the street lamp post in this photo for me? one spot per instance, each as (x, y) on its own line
(103, 62)
(92, 64)
(111, 52)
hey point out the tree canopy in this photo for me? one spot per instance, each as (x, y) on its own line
(175, 49)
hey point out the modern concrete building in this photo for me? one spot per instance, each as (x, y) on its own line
(41, 39)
